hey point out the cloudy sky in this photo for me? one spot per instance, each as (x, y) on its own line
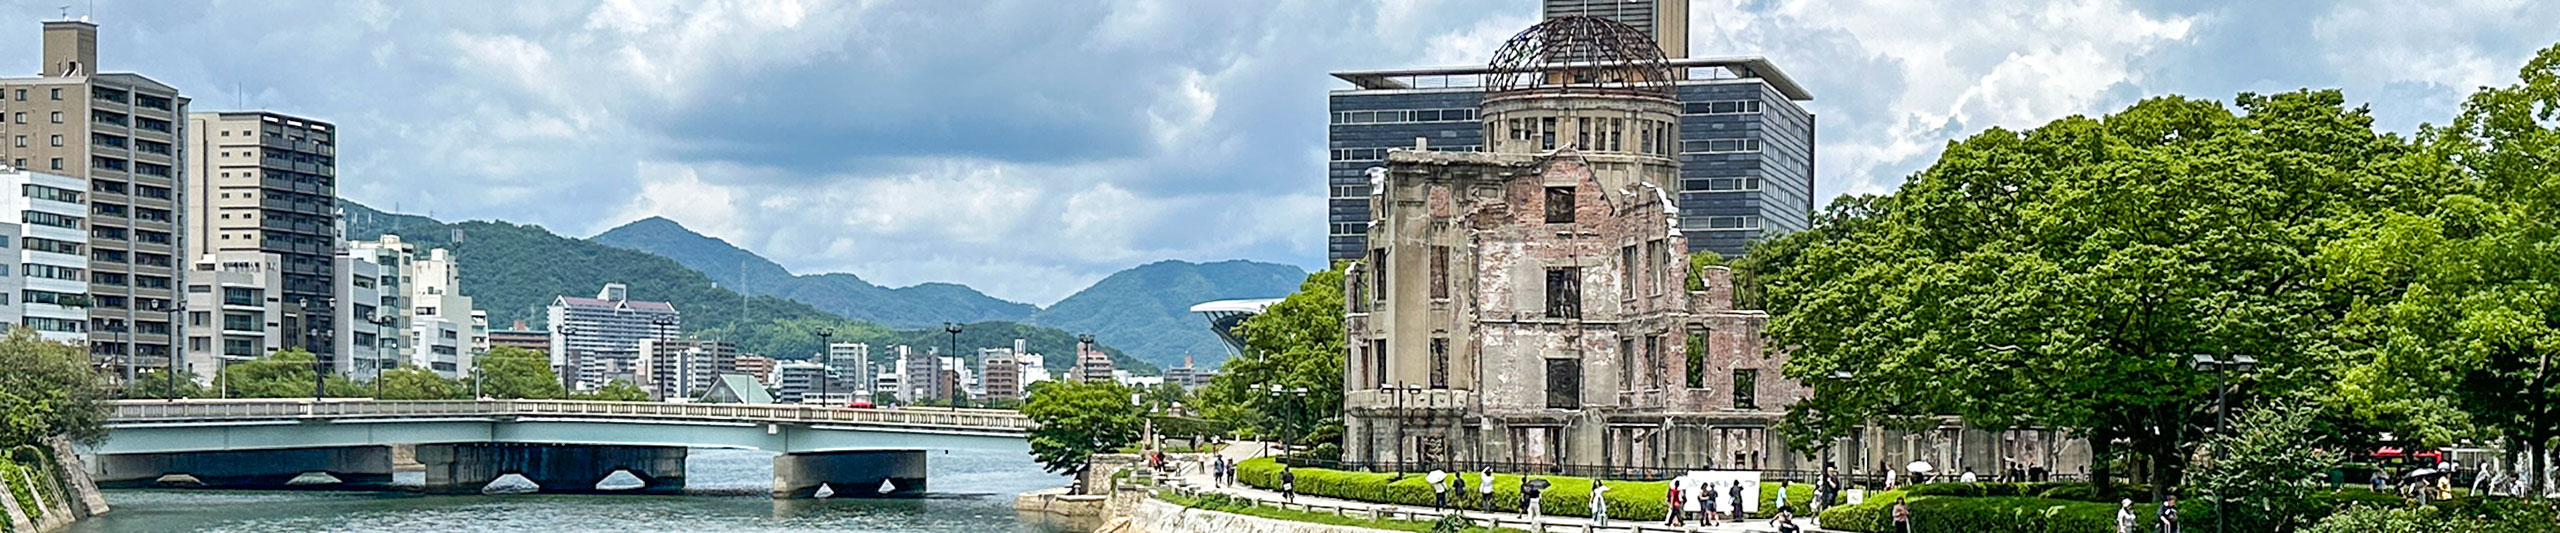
(1030, 147)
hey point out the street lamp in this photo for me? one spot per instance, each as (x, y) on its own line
(2222, 367)
(684, 365)
(170, 331)
(319, 379)
(827, 366)
(954, 329)
(1415, 390)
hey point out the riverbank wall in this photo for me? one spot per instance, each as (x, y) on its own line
(47, 489)
(1159, 516)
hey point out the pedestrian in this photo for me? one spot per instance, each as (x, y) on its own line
(1439, 496)
(1825, 488)
(1889, 479)
(1672, 504)
(1738, 510)
(1599, 503)
(1218, 471)
(2169, 515)
(1484, 489)
(1459, 480)
(1697, 504)
(1288, 484)
(2125, 520)
(1709, 495)
(1529, 505)
(1782, 497)
(1785, 521)
(1902, 515)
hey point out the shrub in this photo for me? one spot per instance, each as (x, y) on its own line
(1565, 496)
(1992, 514)
(2494, 515)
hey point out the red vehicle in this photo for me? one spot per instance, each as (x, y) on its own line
(859, 404)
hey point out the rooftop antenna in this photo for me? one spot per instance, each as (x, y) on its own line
(66, 12)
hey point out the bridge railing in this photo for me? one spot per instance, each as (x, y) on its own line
(147, 411)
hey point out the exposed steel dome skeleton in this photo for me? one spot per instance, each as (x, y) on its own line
(1581, 53)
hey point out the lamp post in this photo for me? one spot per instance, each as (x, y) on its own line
(684, 365)
(954, 329)
(2222, 367)
(170, 330)
(1414, 390)
(827, 366)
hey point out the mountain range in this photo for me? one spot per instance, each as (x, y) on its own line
(1142, 312)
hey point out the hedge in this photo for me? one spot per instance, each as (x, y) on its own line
(1989, 514)
(1565, 496)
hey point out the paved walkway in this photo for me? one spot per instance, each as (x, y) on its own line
(1194, 474)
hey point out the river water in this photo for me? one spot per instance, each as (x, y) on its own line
(726, 490)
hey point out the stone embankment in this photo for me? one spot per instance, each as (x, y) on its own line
(53, 492)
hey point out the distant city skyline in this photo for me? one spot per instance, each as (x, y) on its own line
(1028, 149)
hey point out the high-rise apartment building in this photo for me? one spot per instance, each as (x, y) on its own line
(444, 325)
(999, 374)
(123, 133)
(608, 326)
(1744, 143)
(521, 336)
(1667, 21)
(363, 343)
(923, 376)
(392, 263)
(267, 182)
(849, 364)
(759, 367)
(683, 368)
(48, 251)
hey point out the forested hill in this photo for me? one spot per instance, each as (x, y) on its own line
(920, 306)
(513, 271)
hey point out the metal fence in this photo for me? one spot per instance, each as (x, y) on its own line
(1619, 472)
(166, 411)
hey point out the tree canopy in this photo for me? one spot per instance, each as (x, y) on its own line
(1078, 419)
(48, 389)
(508, 372)
(2062, 276)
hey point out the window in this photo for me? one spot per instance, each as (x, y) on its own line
(1652, 360)
(1378, 362)
(57, 140)
(107, 278)
(64, 299)
(197, 318)
(1746, 383)
(240, 322)
(151, 282)
(57, 117)
(1378, 274)
(57, 93)
(1564, 292)
(1627, 272)
(57, 325)
(107, 256)
(1547, 133)
(153, 237)
(107, 233)
(57, 194)
(1582, 133)
(1657, 255)
(1564, 384)
(1439, 362)
(1697, 355)
(1720, 146)
(57, 163)
(1439, 272)
(1626, 363)
(37, 270)
(41, 218)
(1559, 205)
(239, 347)
(1720, 107)
(49, 245)
(21, 141)
(107, 209)
(240, 296)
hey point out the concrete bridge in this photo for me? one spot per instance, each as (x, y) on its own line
(561, 446)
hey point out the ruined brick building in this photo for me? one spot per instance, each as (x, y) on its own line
(1527, 304)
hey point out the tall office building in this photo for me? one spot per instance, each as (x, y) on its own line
(849, 364)
(267, 182)
(608, 326)
(683, 368)
(1667, 21)
(999, 374)
(122, 132)
(1744, 144)
(45, 246)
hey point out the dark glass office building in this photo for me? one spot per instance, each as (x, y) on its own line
(1746, 146)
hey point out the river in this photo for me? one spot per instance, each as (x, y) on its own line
(726, 490)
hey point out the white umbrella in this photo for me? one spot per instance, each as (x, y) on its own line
(1436, 476)
(1921, 467)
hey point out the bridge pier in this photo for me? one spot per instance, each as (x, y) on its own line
(556, 468)
(850, 474)
(355, 467)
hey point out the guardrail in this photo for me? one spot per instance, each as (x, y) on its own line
(157, 411)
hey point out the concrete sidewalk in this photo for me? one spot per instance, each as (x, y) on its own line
(1196, 474)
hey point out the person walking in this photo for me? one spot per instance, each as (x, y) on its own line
(1458, 488)
(1599, 503)
(1782, 497)
(2169, 515)
(1529, 505)
(1785, 521)
(1439, 496)
(1484, 489)
(1672, 505)
(1708, 495)
(1288, 484)
(1901, 515)
(2125, 521)
(1826, 488)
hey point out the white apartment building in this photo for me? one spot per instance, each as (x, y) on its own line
(434, 324)
(849, 364)
(236, 310)
(48, 282)
(608, 326)
(367, 332)
(683, 368)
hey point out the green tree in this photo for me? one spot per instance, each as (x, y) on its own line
(1296, 343)
(155, 383)
(2475, 328)
(1163, 397)
(1079, 419)
(2263, 471)
(2061, 277)
(413, 383)
(508, 372)
(284, 374)
(616, 391)
(48, 389)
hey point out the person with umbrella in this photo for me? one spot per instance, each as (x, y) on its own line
(1439, 489)
(1530, 490)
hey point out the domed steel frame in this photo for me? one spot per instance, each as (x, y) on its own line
(1581, 53)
